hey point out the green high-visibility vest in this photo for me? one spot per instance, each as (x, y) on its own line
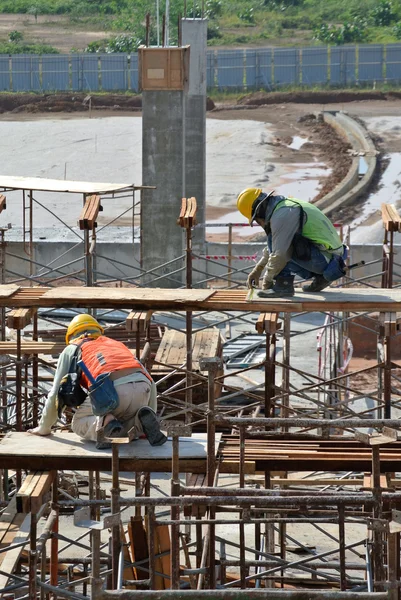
(317, 227)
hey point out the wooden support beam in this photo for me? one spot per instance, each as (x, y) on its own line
(391, 218)
(33, 347)
(30, 496)
(138, 321)
(3, 204)
(268, 323)
(88, 216)
(187, 218)
(19, 318)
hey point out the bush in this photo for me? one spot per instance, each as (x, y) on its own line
(121, 43)
(348, 32)
(213, 31)
(397, 31)
(383, 15)
(20, 48)
(247, 15)
(15, 36)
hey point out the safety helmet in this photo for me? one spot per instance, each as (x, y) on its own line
(81, 324)
(246, 200)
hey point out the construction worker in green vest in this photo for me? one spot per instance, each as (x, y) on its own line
(301, 241)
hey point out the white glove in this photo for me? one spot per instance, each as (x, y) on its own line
(255, 274)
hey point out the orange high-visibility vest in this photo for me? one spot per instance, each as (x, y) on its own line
(105, 355)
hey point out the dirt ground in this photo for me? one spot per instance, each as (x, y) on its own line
(291, 115)
(57, 31)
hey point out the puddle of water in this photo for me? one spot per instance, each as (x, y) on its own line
(232, 217)
(304, 182)
(298, 142)
(389, 193)
(363, 166)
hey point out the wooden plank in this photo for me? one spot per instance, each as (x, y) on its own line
(44, 482)
(23, 494)
(158, 579)
(7, 517)
(347, 299)
(11, 558)
(89, 213)
(128, 572)
(24, 450)
(138, 546)
(8, 290)
(163, 542)
(32, 348)
(19, 318)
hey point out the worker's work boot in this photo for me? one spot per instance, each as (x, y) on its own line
(282, 287)
(318, 283)
(113, 429)
(151, 427)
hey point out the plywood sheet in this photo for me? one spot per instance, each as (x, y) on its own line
(334, 296)
(60, 185)
(8, 290)
(154, 297)
(69, 445)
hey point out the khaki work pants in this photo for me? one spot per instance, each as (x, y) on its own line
(131, 397)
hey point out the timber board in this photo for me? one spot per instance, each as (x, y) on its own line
(143, 297)
(69, 451)
(331, 299)
(8, 290)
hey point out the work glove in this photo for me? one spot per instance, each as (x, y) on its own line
(255, 274)
(266, 283)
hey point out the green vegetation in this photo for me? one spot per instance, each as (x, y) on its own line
(17, 45)
(231, 22)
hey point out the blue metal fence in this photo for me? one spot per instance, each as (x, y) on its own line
(243, 70)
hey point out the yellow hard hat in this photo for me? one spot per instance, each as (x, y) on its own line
(246, 199)
(81, 324)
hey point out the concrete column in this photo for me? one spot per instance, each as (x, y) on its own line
(194, 34)
(163, 165)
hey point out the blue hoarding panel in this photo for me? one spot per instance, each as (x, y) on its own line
(5, 80)
(370, 63)
(90, 72)
(393, 62)
(286, 66)
(55, 72)
(315, 66)
(114, 71)
(259, 68)
(134, 74)
(342, 65)
(25, 73)
(230, 69)
(211, 75)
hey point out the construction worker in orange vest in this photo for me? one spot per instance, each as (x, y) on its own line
(135, 391)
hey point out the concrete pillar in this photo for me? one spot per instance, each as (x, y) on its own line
(194, 34)
(163, 165)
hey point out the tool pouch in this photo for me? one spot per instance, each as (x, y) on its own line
(301, 247)
(335, 269)
(102, 393)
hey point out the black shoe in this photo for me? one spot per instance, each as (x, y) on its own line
(283, 287)
(317, 284)
(114, 429)
(151, 427)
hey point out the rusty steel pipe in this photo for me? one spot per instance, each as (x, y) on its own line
(249, 594)
(355, 499)
(315, 423)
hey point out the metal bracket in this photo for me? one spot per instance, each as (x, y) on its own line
(387, 436)
(82, 519)
(212, 363)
